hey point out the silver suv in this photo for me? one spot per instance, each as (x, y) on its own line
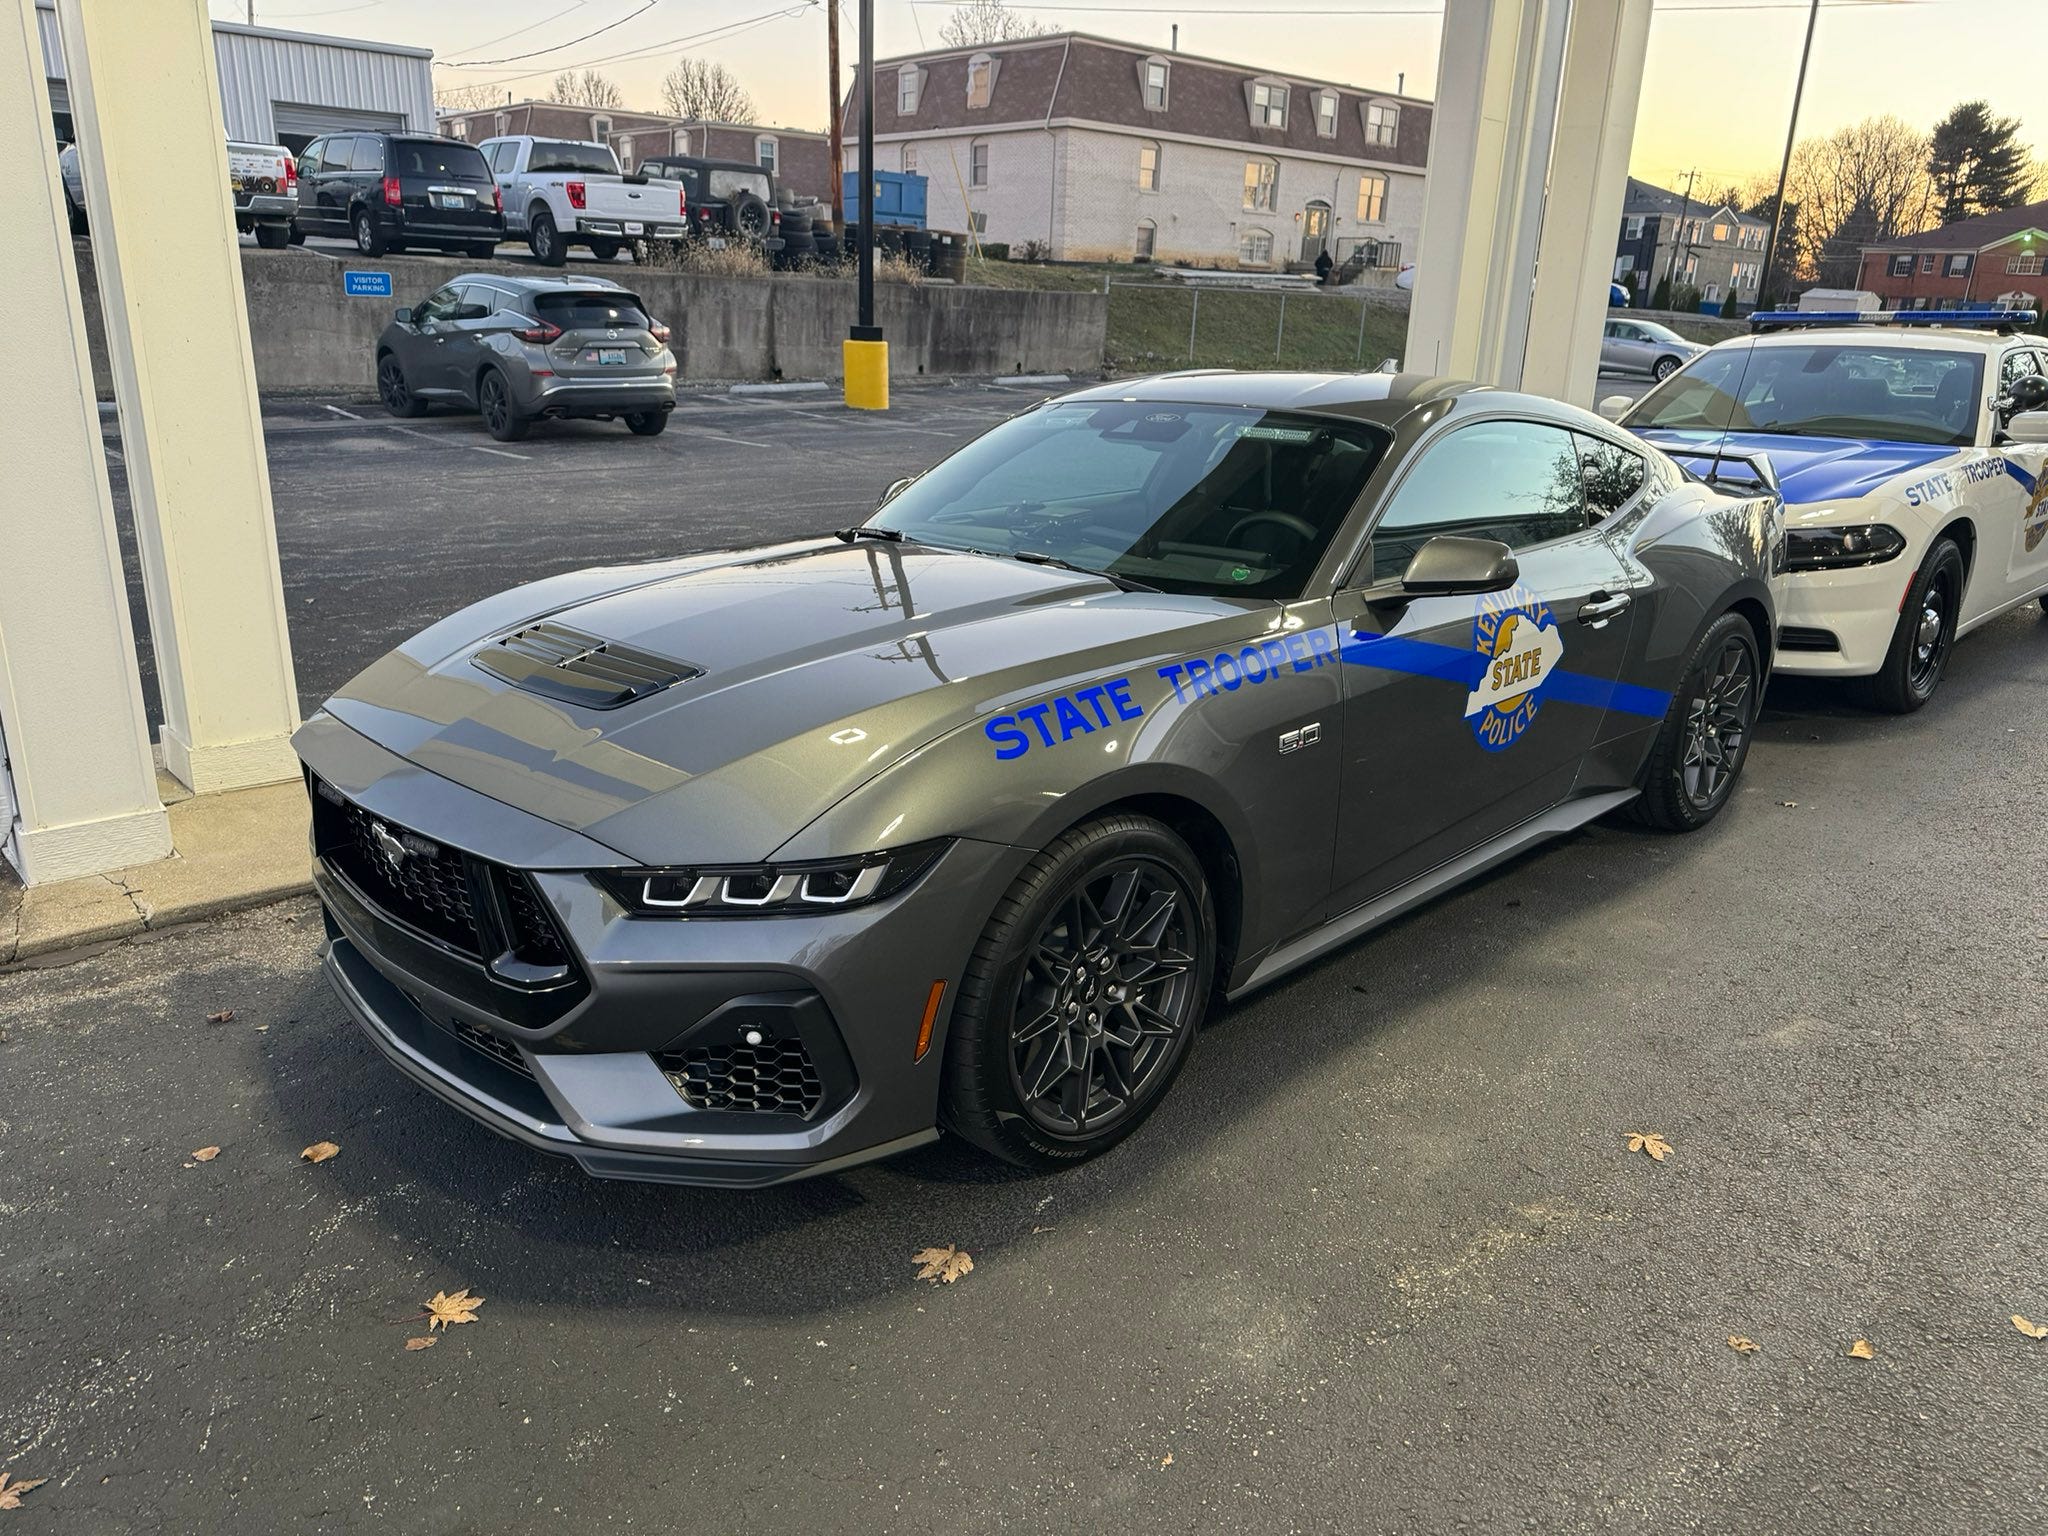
(521, 348)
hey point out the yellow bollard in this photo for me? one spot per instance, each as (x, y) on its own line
(867, 374)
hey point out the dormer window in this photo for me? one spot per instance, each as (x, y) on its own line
(504, 124)
(1153, 77)
(981, 80)
(1326, 114)
(1382, 123)
(909, 87)
(600, 127)
(461, 128)
(682, 141)
(1269, 105)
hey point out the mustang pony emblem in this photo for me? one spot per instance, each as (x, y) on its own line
(395, 852)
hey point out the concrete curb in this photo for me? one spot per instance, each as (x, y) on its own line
(243, 848)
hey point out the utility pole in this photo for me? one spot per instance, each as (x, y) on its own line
(1685, 211)
(1785, 166)
(864, 354)
(838, 111)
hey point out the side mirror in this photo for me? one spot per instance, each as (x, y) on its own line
(2028, 427)
(405, 313)
(1614, 407)
(895, 490)
(1450, 566)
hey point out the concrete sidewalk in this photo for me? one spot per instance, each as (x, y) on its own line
(239, 849)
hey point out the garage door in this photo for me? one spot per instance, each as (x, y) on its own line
(296, 124)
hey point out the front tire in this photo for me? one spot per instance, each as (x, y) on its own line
(494, 401)
(273, 237)
(646, 423)
(544, 240)
(1082, 998)
(1705, 738)
(369, 237)
(394, 391)
(1663, 368)
(1926, 632)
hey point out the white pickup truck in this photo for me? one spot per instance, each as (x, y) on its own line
(564, 192)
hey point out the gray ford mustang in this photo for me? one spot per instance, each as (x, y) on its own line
(745, 866)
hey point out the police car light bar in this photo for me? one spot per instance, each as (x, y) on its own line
(2003, 320)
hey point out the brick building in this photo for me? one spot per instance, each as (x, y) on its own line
(801, 161)
(1993, 258)
(1105, 151)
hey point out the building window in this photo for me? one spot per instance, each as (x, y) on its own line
(1692, 270)
(766, 151)
(1623, 265)
(1326, 114)
(1382, 123)
(1153, 76)
(1148, 167)
(1255, 247)
(1372, 199)
(504, 124)
(977, 163)
(1148, 233)
(1902, 266)
(682, 141)
(2023, 266)
(1720, 232)
(1959, 266)
(1926, 265)
(978, 222)
(1269, 106)
(600, 128)
(910, 159)
(1261, 185)
(626, 152)
(908, 83)
(1633, 227)
(460, 128)
(1713, 293)
(981, 80)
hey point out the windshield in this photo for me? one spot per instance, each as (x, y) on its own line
(1659, 332)
(1188, 498)
(725, 183)
(564, 155)
(1823, 389)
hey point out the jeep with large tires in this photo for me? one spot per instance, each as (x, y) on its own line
(726, 201)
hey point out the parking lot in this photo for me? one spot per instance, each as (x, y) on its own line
(1382, 1261)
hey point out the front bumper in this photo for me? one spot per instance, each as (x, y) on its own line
(1840, 623)
(597, 1069)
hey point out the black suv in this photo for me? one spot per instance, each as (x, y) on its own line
(393, 190)
(723, 199)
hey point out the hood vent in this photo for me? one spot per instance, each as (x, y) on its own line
(558, 662)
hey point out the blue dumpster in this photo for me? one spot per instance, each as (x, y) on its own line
(899, 198)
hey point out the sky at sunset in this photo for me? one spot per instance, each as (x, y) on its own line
(1716, 91)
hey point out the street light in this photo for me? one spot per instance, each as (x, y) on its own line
(864, 355)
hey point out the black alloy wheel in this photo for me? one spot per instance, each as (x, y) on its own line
(393, 390)
(1705, 738)
(494, 400)
(1083, 998)
(1926, 633)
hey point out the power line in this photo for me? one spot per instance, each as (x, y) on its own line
(505, 37)
(515, 58)
(730, 29)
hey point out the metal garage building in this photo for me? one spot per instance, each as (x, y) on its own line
(288, 87)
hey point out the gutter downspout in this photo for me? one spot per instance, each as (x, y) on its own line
(1051, 151)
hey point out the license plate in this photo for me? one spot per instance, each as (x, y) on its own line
(636, 229)
(450, 200)
(612, 355)
(716, 242)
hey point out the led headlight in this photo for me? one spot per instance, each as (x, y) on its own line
(1834, 549)
(752, 890)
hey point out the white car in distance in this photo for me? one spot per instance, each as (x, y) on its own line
(564, 192)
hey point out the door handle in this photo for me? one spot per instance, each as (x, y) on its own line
(1600, 608)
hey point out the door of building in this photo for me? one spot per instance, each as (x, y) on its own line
(1315, 230)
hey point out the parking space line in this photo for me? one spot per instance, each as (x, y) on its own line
(503, 453)
(351, 415)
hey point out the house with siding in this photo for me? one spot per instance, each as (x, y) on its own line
(1717, 251)
(801, 161)
(1993, 258)
(1106, 151)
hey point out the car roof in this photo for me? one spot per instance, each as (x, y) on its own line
(1944, 339)
(523, 284)
(1386, 398)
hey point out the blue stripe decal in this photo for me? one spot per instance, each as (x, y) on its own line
(2020, 475)
(1425, 658)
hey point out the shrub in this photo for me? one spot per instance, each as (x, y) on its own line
(1036, 250)
(1661, 298)
(737, 259)
(996, 250)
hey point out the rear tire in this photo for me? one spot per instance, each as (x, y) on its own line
(1082, 998)
(1704, 741)
(369, 236)
(646, 423)
(544, 240)
(483, 250)
(605, 250)
(393, 389)
(272, 237)
(298, 235)
(494, 402)
(1926, 632)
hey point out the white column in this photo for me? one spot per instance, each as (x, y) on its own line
(70, 706)
(1596, 125)
(147, 108)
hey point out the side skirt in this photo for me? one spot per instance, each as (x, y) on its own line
(1555, 822)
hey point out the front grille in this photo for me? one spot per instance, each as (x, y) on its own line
(419, 881)
(774, 1077)
(563, 663)
(534, 934)
(1793, 638)
(482, 1041)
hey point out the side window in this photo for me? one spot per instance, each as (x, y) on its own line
(1610, 474)
(439, 304)
(368, 154)
(504, 157)
(2017, 365)
(1516, 481)
(355, 155)
(309, 159)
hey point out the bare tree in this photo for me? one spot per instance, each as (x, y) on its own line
(704, 91)
(469, 96)
(1863, 184)
(589, 89)
(987, 21)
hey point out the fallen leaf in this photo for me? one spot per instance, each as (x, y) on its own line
(424, 1341)
(938, 1265)
(1861, 1350)
(225, 1016)
(447, 1310)
(320, 1151)
(1652, 1142)
(2031, 1330)
(11, 1489)
(1166, 1460)
(1742, 1346)
(206, 1154)
(1790, 805)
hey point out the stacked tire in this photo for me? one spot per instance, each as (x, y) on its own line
(798, 248)
(827, 248)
